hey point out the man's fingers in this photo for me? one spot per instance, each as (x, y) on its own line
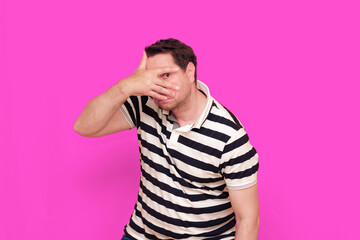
(157, 95)
(143, 61)
(162, 70)
(165, 84)
(163, 91)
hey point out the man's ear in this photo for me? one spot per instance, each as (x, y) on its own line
(190, 71)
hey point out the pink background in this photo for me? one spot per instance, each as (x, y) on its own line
(288, 69)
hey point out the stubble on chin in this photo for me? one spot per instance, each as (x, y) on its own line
(164, 105)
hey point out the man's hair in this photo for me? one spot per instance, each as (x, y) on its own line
(182, 53)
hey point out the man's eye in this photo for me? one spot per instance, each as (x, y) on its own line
(166, 75)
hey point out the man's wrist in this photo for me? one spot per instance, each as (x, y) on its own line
(122, 88)
(119, 92)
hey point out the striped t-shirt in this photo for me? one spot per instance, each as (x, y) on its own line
(186, 171)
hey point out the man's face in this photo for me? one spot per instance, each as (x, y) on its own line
(179, 78)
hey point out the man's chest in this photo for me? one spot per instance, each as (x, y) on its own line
(176, 155)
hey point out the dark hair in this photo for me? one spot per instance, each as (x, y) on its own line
(182, 53)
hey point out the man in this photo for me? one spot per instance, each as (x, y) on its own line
(198, 168)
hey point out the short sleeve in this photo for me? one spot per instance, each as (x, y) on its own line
(131, 111)
(239, 162)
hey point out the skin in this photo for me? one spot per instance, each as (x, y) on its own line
(188, 102)
(245, 203)
(172, 89)
(101, 115)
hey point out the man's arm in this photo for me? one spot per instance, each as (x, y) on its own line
(245, 203)
(101, 115)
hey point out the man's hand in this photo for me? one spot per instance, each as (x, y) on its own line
(145, 82)
(101, 116)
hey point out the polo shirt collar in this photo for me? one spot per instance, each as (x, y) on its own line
(209, 103)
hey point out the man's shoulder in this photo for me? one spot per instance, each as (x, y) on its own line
(223, 119)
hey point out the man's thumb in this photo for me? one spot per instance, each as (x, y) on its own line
(143, 61)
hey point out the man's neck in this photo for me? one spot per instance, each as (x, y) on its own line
(192, 109)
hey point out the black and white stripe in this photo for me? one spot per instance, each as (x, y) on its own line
(185, 172)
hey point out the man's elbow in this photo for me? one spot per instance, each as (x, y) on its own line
(80, 130)
(77, 128)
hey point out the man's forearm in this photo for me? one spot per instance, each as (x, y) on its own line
(247, 229)
(99, 110)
